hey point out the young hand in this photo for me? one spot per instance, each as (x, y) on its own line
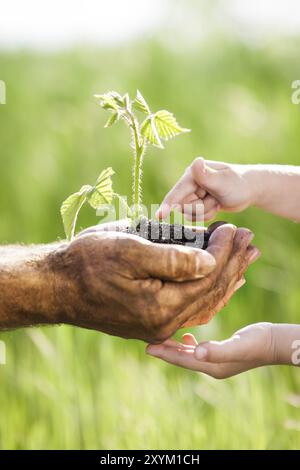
(212, 185)
(253, 346)
(209, 186)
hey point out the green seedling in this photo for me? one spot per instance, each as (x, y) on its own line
(152, 129)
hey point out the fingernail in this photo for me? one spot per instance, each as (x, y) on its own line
(251, 236)
(239, 284)
(254, 255)
(233, 230)
(200, 353)
(247, 234)
(158, 213)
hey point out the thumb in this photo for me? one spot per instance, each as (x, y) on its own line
(230, 350)
(206, 177)
(175, 262)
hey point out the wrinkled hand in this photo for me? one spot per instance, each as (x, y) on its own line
(124, 285)
(248, 348)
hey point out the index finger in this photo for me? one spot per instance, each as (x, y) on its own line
(183, 188)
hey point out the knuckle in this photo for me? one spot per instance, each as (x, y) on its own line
(195, 162)
(175, 263)
(125, 245)
(182, 263)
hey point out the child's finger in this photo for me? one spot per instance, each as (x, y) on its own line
(212, 213)
(193, 210)
(216, 165)
(233, 349)
(200, 192)
(189, 339)
(199, 206)
(170, 342)
(182, 189)
(177, 356)
(209, 202)
(185, 358)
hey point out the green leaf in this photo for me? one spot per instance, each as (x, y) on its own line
(141, 104)
(150, 133)
(70, 208)
(102, 192)
(112, 119)
(167, 126)
(111, 100)
(127, 102)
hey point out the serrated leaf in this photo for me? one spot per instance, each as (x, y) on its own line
(70, 208)
(112, 119)
(166, 125)
(150, 133)
(102, 191)
(107, 173)
(141, 104)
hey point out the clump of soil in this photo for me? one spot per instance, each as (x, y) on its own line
(173, 234)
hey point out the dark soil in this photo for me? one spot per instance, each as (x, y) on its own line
(174, 234)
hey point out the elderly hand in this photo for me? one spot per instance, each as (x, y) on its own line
(124, 285)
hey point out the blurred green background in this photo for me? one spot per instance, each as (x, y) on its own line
(64, 387)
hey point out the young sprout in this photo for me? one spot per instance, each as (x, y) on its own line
(152, 130)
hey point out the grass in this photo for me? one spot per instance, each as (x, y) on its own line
(64, 387)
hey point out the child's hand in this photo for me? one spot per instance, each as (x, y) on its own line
(253, 346)
(216, 185)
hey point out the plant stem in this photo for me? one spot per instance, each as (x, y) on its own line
(137, 192)
(139, 149)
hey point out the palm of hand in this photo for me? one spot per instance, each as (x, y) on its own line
(248, 348)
